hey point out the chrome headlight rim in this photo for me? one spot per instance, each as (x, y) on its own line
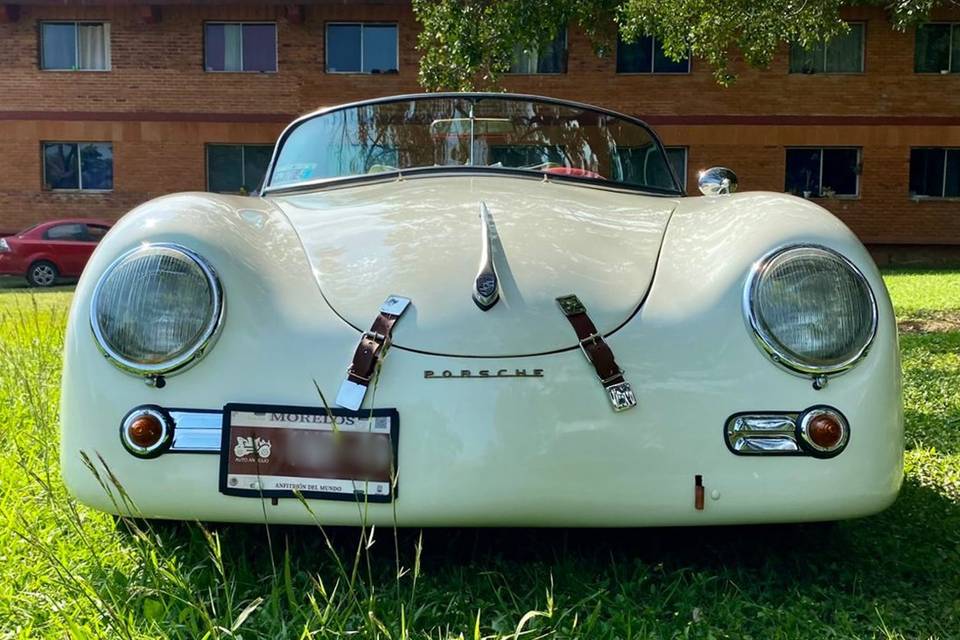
(769, 343)
(189, 357)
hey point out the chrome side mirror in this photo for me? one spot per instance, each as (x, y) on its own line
(717, 181)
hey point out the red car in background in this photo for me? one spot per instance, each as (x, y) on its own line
(51, 250)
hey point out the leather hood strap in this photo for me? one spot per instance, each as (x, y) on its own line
(598, 353)
(370, 349)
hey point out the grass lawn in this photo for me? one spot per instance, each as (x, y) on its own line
(69, 572)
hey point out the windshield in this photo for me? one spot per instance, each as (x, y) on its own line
(495, 132)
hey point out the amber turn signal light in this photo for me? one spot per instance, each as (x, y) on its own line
(145, 431)
(824, 430)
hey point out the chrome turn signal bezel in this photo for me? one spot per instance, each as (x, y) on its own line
(209, 335)
(166, 435)
(782, 433)
(803, 431)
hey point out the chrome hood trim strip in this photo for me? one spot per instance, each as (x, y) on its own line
(486, 286)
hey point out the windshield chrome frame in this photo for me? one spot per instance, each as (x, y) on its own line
(266, 189)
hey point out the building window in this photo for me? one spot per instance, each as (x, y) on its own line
(645, 55)
(235, 46)
(842, 54)
(78, 166)
(827, 172)
(935, 173)
(237, 168)
(937, 48)
(75, 46)
(549, 58)
(362, 48)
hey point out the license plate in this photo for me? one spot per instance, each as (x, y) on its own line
(271, 451)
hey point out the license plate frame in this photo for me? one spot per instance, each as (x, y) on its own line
(306, 428)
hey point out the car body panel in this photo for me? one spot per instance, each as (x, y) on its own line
(545, 451)
(414, 239)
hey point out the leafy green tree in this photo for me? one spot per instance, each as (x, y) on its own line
(468, 44)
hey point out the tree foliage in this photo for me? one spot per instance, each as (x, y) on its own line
(469, 44)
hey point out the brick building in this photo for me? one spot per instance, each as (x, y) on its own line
(106, 104)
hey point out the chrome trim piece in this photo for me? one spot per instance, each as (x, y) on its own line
(486, 286)
(769, 433)
(762, 433)
(196, 431)
(394, 305)
(803, 429)
(350, 395)
(717, 181)
(621, 395)
(767, 343)
(162, 443)
(210, 333)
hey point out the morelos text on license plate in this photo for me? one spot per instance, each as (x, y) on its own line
(279, 452)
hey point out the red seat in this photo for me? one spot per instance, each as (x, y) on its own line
(573, 171)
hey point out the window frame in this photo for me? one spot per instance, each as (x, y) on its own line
(838, 196)
(76, 45)
(80, 188)
(653, 61)
(92, 238)
(682, 178)
(954, 26)
(863, 58)
(916, 197)
(243, 165)
(566, 60)
(362, 24)
(276, 45)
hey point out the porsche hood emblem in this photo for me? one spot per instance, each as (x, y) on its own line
(486, 286)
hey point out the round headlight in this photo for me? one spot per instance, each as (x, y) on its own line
(156, 309)
(811, 309)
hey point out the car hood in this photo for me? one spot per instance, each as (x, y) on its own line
(422, 238)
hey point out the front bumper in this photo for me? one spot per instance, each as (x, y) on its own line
(530, 452)
(9, 266)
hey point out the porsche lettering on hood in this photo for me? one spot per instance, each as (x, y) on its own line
(418, 238)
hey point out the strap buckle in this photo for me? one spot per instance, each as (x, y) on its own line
(590, 340)
(379, 338)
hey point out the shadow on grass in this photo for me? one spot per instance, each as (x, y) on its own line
(897, 571)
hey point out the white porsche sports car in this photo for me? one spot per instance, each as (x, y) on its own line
(481, 309)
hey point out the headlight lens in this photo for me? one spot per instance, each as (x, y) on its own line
(156, 309)
(811, 309)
